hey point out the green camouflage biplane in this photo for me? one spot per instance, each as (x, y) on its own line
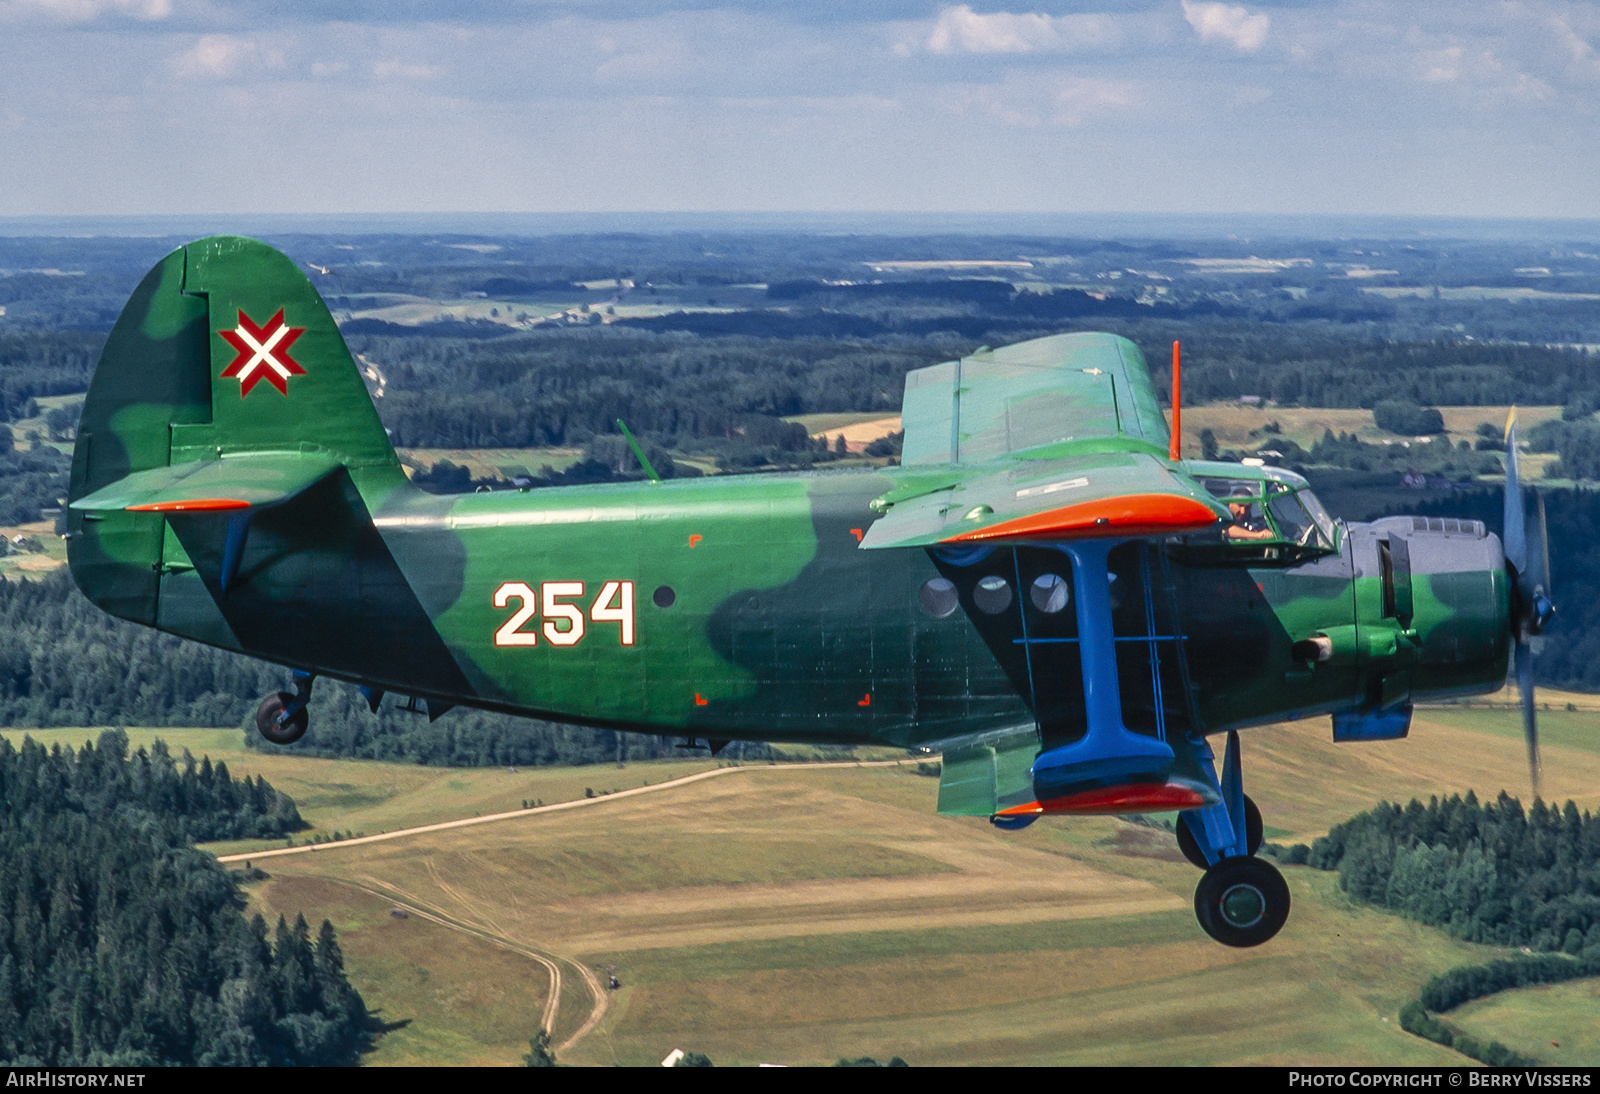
(1042, 591)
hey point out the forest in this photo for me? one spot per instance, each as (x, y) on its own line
(121, 945)
(1492, 873)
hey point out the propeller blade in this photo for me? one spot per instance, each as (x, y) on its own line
(1539, 547)
(1530, 719)
(1514, 538)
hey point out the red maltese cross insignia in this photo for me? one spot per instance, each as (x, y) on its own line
(263, 353)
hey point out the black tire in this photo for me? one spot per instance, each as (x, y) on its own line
(286, 733)
(1252, 835)
(1242, 901)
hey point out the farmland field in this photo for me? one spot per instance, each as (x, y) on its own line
(796, 915)
(1555, 1023)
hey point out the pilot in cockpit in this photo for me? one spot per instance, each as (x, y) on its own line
(1247, 523)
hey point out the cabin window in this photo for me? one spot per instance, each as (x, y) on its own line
(938, 597)
(664, 596)
(992, 595)
(1227, 488)
(1049, 593)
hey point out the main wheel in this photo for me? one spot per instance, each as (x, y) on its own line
(281, 733)
(1242, 901)
(1252, 834)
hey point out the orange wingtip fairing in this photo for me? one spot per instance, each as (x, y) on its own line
(1133, 798)
(1133, 515)
(190, 505)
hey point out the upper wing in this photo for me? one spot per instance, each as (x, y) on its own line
(1057, 438)
(1032, 399)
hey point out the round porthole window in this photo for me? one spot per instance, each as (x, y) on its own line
(664, 596)
(1049, 593)
(992, 595)
(938, 597)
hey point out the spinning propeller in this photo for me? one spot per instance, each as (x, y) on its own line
(1527, 551)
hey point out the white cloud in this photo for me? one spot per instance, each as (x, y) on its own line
(218, 56)
(82, 11)
(962, 30)
(1229, 23)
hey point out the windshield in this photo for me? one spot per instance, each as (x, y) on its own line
(1318, 513)
(1295, 522)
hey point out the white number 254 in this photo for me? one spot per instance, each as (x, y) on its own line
(563, 622)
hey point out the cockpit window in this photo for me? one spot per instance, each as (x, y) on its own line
(1318, 514)
(1294, 521)
(1276, 519)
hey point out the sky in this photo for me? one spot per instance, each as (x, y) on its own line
(1482, 108)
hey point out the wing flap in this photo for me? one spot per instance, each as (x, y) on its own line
(234, 482)
(982, 778)
(1119, 494)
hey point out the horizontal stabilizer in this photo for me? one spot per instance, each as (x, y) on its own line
(233, 482)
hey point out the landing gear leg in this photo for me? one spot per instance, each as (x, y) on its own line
(283, 718)
(1241, 900)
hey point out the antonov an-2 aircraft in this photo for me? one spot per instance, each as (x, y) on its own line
(1043, 590)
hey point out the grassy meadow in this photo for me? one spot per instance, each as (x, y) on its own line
(796, 915)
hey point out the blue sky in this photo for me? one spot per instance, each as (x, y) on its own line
(1454, 107)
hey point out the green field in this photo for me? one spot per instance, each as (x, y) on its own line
(1556, 1024)
(824, 423)
(795, 915)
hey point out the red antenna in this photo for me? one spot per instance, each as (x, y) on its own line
(1177, 409)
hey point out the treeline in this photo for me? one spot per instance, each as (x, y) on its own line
(121, 945)
(63, 662)
(44, 362)
(1415, 1020)
(1310, 367)
(31, 479)
(192, 801)
(539, 389)
(1495, 873)
(1576, 444)
(1457, 463)
(1461, 985)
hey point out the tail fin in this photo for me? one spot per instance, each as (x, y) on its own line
(224, 350)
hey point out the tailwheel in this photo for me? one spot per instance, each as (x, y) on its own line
(1252, 834)
(1242, 901)
(274, 727)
